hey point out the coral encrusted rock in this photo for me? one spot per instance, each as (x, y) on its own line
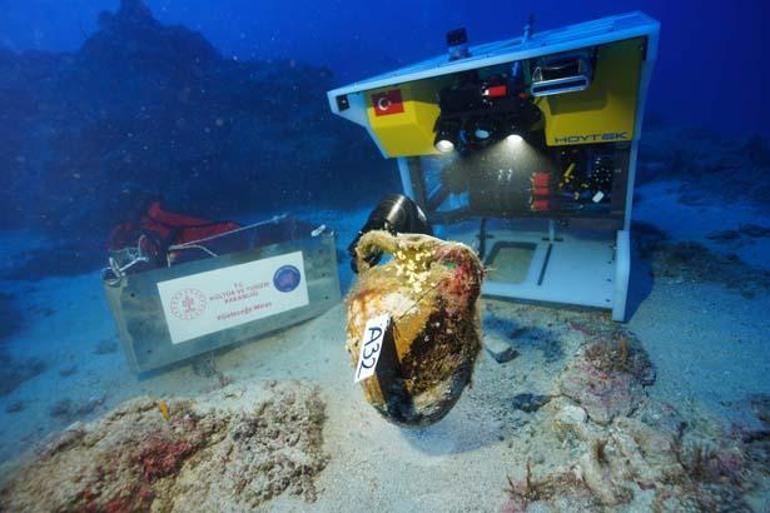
(214, 454)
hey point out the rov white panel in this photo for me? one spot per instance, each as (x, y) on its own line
(581, 35)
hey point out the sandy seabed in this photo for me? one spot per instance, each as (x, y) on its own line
(666, 413)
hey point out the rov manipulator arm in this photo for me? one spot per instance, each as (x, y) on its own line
(395, 213)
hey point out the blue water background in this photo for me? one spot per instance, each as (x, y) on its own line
(712, 69)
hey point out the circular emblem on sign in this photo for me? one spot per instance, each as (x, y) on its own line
(286, 278)
(187, 304)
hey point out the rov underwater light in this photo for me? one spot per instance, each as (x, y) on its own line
(457, 44)
(447, 133)
(477, 112)
(445, 145)
(482, 131)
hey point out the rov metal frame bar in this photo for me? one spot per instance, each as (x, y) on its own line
(581, 266)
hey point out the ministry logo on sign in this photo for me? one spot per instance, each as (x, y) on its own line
(286, 278)
(188, 304)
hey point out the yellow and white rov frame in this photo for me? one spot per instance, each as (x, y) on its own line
(525, 148)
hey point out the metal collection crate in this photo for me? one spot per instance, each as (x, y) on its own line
(211, 296)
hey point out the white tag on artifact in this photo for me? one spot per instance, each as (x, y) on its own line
(371, 345)
(598, 197)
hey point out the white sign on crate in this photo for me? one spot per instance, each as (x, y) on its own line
(212, 301)
(371, 346)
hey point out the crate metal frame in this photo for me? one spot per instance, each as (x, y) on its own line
(138, 312)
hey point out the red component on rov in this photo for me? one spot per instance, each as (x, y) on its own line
(496, 91)
(541, 179)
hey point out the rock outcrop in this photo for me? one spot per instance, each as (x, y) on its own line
(157, 108)
(235, 448)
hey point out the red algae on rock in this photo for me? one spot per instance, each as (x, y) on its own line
(203, 457)
(162, 457)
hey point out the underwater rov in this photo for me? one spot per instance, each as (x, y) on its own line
(535, 138)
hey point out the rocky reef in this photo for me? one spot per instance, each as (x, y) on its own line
(607, 376)
(650, 461)
(157, 108)
(629, 451)
(235, 447)
(710, 165)
(691, 261)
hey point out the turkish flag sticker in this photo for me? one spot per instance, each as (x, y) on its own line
(387, 103)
